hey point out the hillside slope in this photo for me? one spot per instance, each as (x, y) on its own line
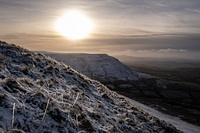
(104, 68)
(51, 97)
(163, 95)
(117, 76)
(99, 66)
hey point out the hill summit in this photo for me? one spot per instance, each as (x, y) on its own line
(40, 95)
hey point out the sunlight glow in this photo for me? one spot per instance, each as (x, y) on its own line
(74, 25)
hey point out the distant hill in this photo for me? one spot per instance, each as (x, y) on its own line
(39, 95)
(99, 66)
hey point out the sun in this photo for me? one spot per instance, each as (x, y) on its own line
(74, 25)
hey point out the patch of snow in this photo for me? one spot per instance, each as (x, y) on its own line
(99, 66)
(177, 122)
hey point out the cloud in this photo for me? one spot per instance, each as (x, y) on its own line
(169, 50)
(172, 50)
(194, 10)
(162, 5)
(104, 50)
(170, 26)
(146, 41)
(161, 53)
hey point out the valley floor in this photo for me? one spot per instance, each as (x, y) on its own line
(178, 123)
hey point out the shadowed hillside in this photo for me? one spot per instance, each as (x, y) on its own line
(39, 94)
(163, 95)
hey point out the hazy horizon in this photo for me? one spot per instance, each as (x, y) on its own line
(147, 28)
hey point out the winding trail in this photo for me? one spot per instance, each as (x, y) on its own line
(177, 122)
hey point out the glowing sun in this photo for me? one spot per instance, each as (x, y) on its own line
(74, 25)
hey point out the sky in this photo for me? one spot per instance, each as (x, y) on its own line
(152, 28)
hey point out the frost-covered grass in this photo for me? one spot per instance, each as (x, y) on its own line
(51, 97)
(101, 67)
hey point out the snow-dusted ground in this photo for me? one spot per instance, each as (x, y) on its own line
(52, 97)
(178, 123)
(101, 67)
(110, 71)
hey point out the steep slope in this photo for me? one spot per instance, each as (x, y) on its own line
(106, 69)
(48, 96)
(99, 66)
(160, 94)
(114, 74)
